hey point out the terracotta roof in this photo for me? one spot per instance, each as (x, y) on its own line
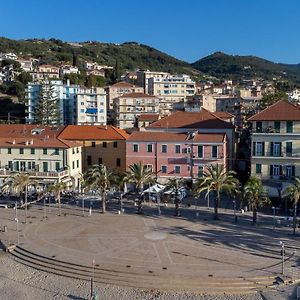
(137, 95)
(279, 111)
(148, 117)
(148, 136)
(202, 119)
(22, 136)
(123, 84)
(92, 132)
(223, 114)
(47, 66)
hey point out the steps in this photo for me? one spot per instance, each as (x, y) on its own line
(138, 279)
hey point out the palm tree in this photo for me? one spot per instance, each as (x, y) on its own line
(118, 180)
(139, 174)
(217, 179)
(20, 183)
(256, 195)
(98, 177)
(174, 184)
(294, 192)
(57, 188)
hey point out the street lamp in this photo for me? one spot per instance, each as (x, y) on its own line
(82, 199)
(18, 234)
(207, 196)
(282, 257)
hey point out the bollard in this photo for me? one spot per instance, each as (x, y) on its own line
(5, 228)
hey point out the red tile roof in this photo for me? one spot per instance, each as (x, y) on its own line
(93, 132)
(148, 117)
(202, 119)
(148, 136)
(223, 115)
(123, 84)
(22, 136)
(137, 95)
(279, 111)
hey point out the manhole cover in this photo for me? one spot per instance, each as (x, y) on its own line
(155, 236)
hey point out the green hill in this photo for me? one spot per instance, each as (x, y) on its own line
(130, 55)
(238, 67)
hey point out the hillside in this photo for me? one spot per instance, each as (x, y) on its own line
(130, 55)
(238, 67)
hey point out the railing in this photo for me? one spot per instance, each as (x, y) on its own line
(56, 174)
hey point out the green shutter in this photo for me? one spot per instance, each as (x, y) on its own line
(263, 148)
(271, 170)
(271, 149)
(254, 149)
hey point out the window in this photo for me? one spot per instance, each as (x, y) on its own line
(115, 144)
(89, 160)
(277, 149)
(77, 150)
(200, 171)
(150, 167)
(8, 150)
(288, 171)
(275, 170)
(149, 147)
(260, 149)
(100, 161)
(214, 152)
(289, 126)
(135, 148)
(258, 126)
(21, 150)
(56, 151)
(45, 166)
(177, 148)
(177, 169)
(164, 169)
(45, 151)
(73, 165)
(258, 169)
(200, 151)
(93, 144)
(77, 163)
(32, 151)
(277, 126)
(118, 162)
(57, 166)
(164, 148)
(22, 165)
(104, 144)
(289, 148)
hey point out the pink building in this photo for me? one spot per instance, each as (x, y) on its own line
(171, 154)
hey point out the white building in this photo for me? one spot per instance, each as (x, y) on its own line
(90, 106)
(68, 69)
(143, 78)
(26, 64)
(9, 55)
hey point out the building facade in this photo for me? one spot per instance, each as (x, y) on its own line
(184, 155)
(275, 154)
(129, 107)
(143, 77)
(38, 151)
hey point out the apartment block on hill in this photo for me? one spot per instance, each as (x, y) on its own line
(143, 77)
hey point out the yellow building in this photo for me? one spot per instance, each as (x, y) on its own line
(275, 154)
(100, 145)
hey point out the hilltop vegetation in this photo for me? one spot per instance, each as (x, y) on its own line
(237, 67)
(129, 55)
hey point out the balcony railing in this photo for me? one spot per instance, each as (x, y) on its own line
(51, 174)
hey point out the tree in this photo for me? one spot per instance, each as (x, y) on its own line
(174, 184)
(256, 195)
(47, 110)
(216, 179)
(20, 183)
(269, 99)
(24, 77)
(118, 180)
(294, 192)
(98, 177)
(139, 174)
(57, 188)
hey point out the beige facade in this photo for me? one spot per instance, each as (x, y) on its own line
(129, 107)
(143, 78)
(221, 103)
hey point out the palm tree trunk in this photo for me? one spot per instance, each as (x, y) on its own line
(103, 202)
(140, 201)
(25, 204)
(217, 201)
(59, 204)
(177, 214)
(295, 218)
(254, 215)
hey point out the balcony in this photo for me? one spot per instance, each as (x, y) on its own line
(36, 174)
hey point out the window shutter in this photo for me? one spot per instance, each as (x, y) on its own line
(263, 148)
(254, 149)
(280, 170)
(271, 170)
(293, 171)
(280, 149)
(271, 149)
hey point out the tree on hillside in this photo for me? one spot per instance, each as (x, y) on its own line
(269, 99)
(217, 180)
(47, 110)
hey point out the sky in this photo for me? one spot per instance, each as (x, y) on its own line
(188, 30)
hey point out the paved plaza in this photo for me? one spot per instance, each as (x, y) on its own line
(173, 253)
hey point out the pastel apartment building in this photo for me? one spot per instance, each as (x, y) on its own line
(45, 72)
(129, 107)
(100, 145)
(143, 77)
(275, 154)
(172, 91)
(38, 151)
(169, 154)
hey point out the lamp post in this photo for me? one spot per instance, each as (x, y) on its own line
(234, 211)
(18, 234)
(16, 213)
(282, 257)
(208, 200)
(82, 199)
(45, 206)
